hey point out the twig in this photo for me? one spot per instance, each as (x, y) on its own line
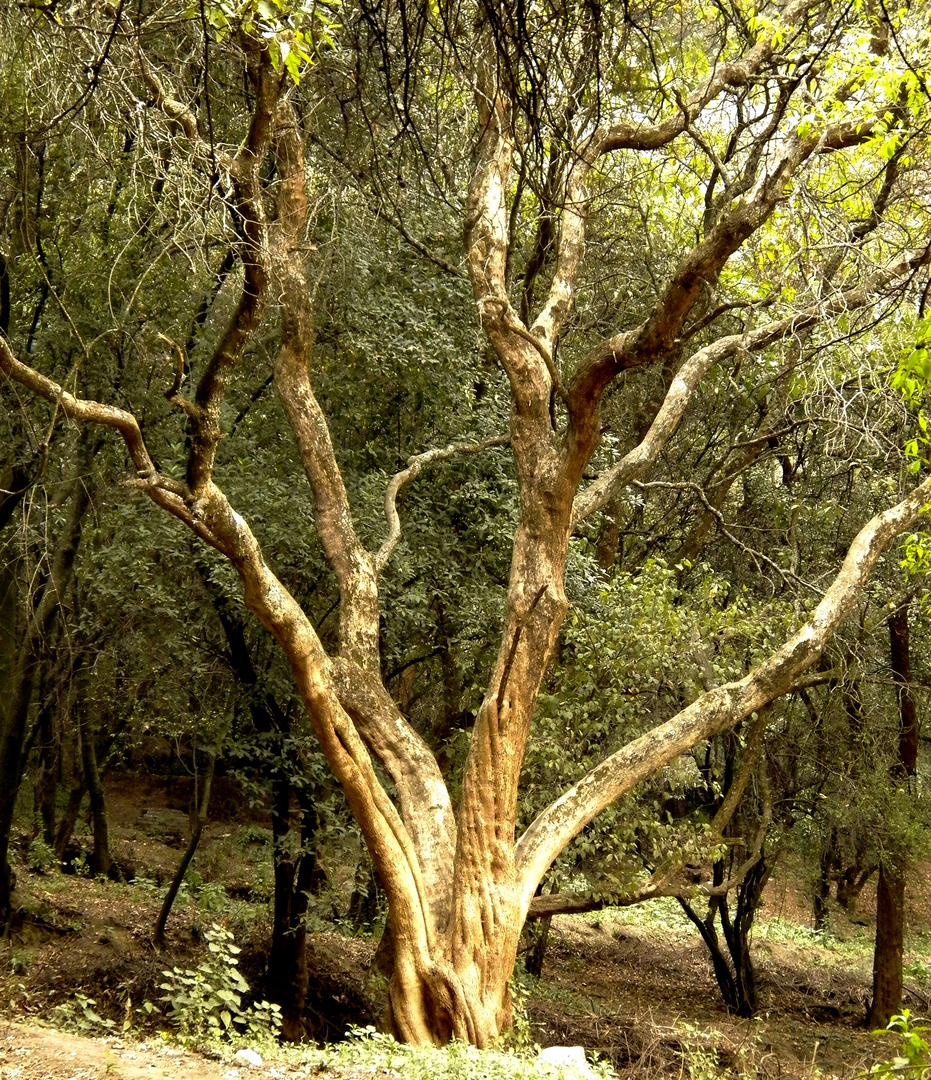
(757, 556)
(172, 394)
(415, 465)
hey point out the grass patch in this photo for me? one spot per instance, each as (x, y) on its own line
(370, 1051)
(660, 916)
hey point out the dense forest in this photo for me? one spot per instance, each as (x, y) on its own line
(490, 436)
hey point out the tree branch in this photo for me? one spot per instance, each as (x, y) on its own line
(353, 565)
(637, 461)
(415, 466)
(717, 710)
(204, 418)
(735, 73)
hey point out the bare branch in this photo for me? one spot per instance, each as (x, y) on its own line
(173, 393)
(735, 73)
(206, 428)
(351, 562)
(415, 466)
(183, 117)
(667, 420)
(757, 556)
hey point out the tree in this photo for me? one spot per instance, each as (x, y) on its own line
(890, 889)
(760, 141)
(26, 655)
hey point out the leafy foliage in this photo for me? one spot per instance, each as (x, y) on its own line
(914, 1058)
(206, 1002)
(374, 1051)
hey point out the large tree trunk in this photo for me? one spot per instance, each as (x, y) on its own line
(459, 886)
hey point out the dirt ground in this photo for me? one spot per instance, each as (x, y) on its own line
(31, 1053)
(640, 995)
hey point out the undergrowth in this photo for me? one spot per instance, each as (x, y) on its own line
(914, 1057)
(372, 1051)
(205, 1003)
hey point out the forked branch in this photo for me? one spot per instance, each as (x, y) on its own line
(634, 464)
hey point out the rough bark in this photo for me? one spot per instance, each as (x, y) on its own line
(889, 947)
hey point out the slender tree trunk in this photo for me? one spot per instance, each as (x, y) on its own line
(198, 821)
(48, 774)
(69, 818)
(890, 944)
(539, 942)
(294, 879)
(890, 892)
(822, 893)
(100, 858)
(9, 607)
(13, 725)
(733, 964)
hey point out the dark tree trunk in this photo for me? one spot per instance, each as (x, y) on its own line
(295, 874)
(731, 960)
(890, 892)
(198, 821)
(14, 719)
(47, 777)
(850, 885)
(539, 941)
(100, 858)
(363, 904)
(890, 943)
(69, 817)
(822, 892)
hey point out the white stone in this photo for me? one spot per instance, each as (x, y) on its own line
(567, 1059)
(247, 1057)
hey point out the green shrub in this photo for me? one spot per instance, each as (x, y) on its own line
(40, 857)
(914, 1057)
(206, 1001)
(372, 1051)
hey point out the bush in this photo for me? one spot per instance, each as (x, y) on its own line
(206, 1001)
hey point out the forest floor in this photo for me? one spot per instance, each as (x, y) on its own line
(633, 985)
